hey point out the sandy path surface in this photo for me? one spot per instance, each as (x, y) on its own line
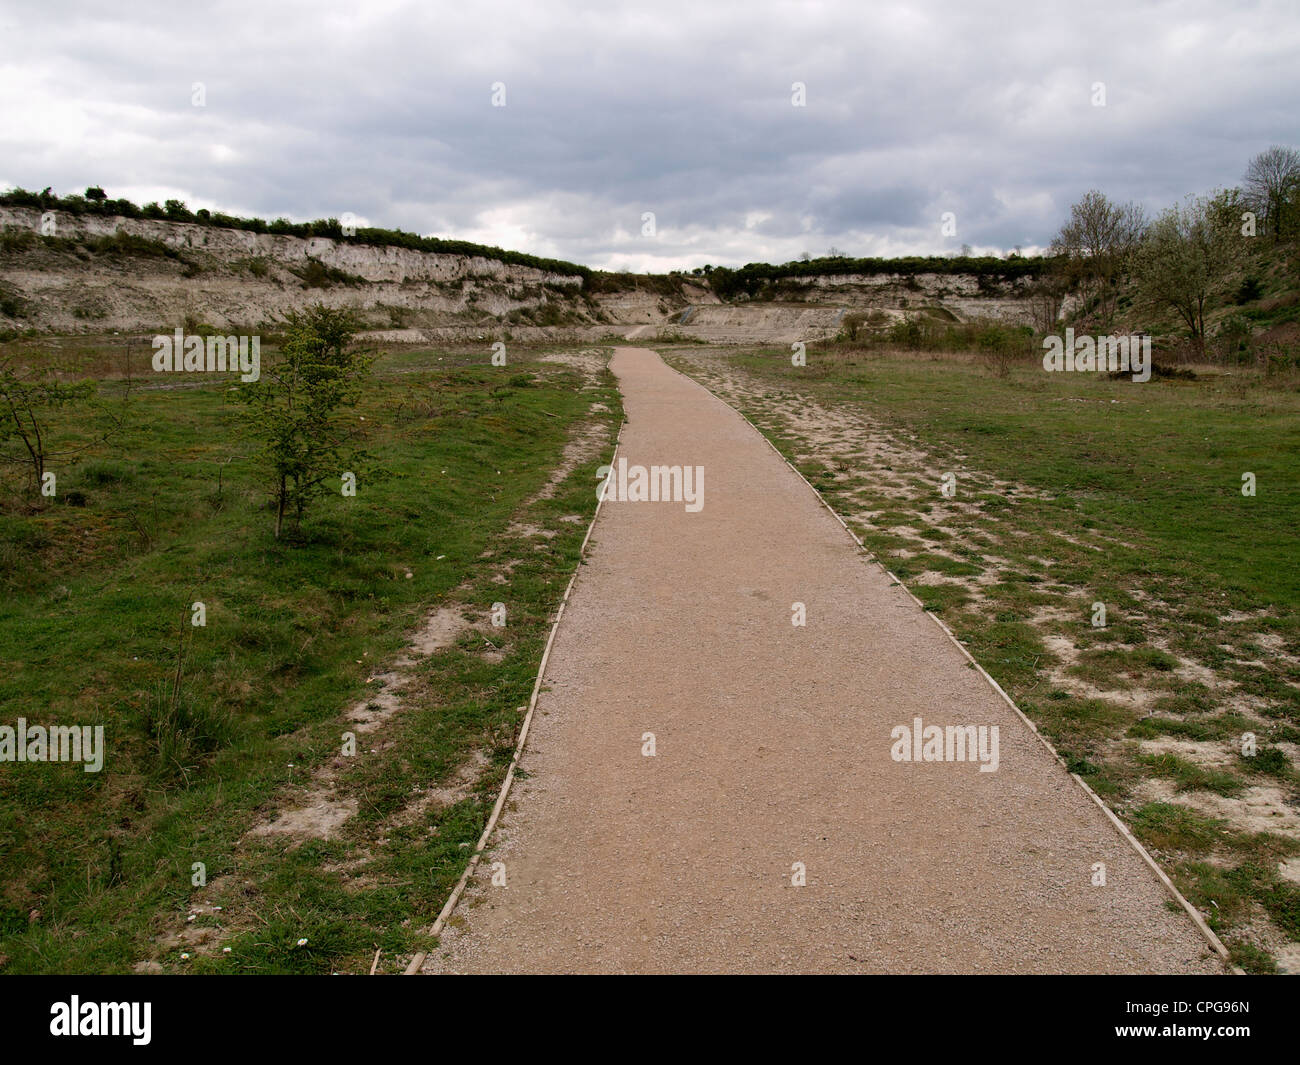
(773, 747)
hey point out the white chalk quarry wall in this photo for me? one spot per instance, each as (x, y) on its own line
(368, 261)
(757, 322)
(406, 290)
(125, 293)
(958, 293)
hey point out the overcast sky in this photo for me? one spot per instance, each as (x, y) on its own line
(685, 109)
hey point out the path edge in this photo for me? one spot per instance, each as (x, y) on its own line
(417, 961)
(1208, 933)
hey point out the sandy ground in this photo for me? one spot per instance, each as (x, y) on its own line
(773, 753)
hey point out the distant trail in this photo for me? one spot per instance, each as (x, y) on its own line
(773, 747)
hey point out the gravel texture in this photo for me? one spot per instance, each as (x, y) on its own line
(773, 747)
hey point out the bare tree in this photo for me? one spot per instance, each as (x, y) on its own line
(1097, 244)
(29, 400)
(1046, 297)
(1272, 187)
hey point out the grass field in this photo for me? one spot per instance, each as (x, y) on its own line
(1069, 492)
(98, 869)
(1072, 491)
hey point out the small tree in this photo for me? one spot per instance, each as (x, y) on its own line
(295, 408)
(1046, 297)
(1186, 257)
(852, 325)
(1097, 243)
(27, 401)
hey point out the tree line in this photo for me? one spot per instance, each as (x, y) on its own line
(96, 202)
(756, 279)
(1181, 260)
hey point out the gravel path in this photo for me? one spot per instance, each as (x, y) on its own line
(772, 748)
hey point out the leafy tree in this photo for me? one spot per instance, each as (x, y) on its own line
(1186, 257)
(852, 325)
(295, 408)
(96, 194)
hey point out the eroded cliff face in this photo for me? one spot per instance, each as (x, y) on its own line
(371, 263)
(815, 307)
(231, 278)
(185, 274)
(962, 295)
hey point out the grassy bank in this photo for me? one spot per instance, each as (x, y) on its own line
(99, 868)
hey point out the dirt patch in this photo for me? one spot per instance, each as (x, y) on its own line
(439, 630)
(319, 817)
(457, 788)
(1209, 754)
(1256, 809)
(590, 363)
(528, 529)
(375, 709)
(582, 449)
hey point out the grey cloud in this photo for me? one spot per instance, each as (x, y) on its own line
(679, 108)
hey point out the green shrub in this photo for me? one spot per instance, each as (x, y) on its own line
(1249, 290)
(316, 274)
(12, 305)
(16, 238)
(103, 473)
(123, 243)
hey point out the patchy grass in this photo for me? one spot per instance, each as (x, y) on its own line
(1191, 777)
(1168, 827)
(99, 871)
(1095, 553)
